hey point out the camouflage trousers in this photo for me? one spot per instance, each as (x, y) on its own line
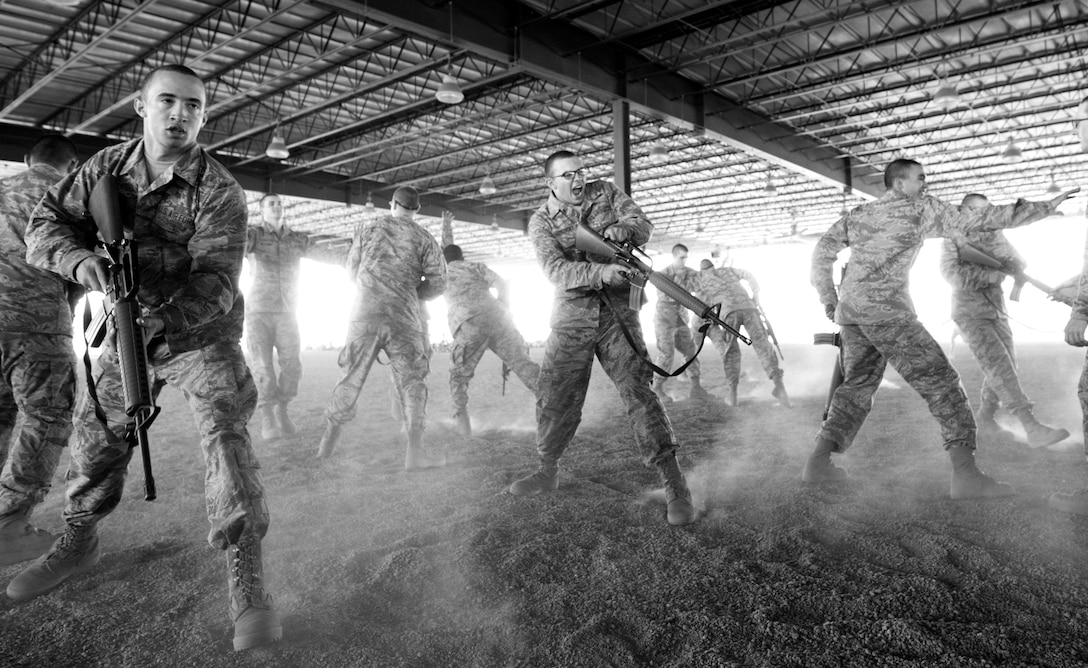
(564, 380)
(37, 380)
(991, 343)
(219, 388)
(674, 334)
(477, 335)
(272, 337)
(729, 348)
(409, 359)
(912, 351)
(1082, 396)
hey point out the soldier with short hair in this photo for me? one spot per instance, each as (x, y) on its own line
(978, 309)
(37, 361)
(188, 215)
(672, 330)
(395, 264)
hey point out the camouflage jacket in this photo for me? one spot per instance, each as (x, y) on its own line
(976, 288)
(722, 286)
(884, 238)
(468, 292)
(32, 300)
(576, 275)
(190, 229)
(274, 261)
(1080, 303)
(395, 263)
(684, 277)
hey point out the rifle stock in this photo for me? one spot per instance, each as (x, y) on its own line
(975, 255)
(121, 293)
(833, 339)
(588, 240)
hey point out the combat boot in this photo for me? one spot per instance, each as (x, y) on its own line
(968, 482)
(699, 395)
(417, 457)
(74, 552)
(251, 610)
(779, 392)
(283, 421)
(462, 424)
(269, 428)
(328, 441)
(1074, 502)
(731, 394)
(679, 509)
(20, 540)
(1039, 434)
(545, 479)
(819, 467)
(989, 431)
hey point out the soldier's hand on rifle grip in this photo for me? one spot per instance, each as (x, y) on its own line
(617, 232)
(151, 324)
(93, 273)
(829, 311)
(1074, 332)
(1054, 203)
(614, 274)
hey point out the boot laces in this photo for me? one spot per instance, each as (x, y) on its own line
(73, 542)
(244, 573)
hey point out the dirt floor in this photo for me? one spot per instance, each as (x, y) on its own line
(372, 566)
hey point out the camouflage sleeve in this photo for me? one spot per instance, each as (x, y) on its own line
(565, 273)
(251, 238)
(216, 248)
(958, 225)
(823, 261)
(434, 271)
(499, 283)
(630, 216)
(354, 251)
(745, 275)
(60, 233)
(1080, 304)
(447, 229)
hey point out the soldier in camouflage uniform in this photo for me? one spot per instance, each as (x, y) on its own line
(978, 309)
(275, 252)
(188, 215)
(478, 322)
(591, 302)
(722, 285)
(36, 356)
(1077, 502)
(395, 264)
(879, 324)
(671, 327)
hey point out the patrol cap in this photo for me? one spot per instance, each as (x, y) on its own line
(407, 196)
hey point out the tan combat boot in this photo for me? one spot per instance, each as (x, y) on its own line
(416, 456)
(988, 430)
(731, 394)
(329, 441)
(462, 424)
(968, 482)
(544, 480)
(251, 610)
(20, 540)
(283, 421)
(1039, 434)
(819, 467)
(269, 428)
(74, 552)
(679, 509)
(779, 392)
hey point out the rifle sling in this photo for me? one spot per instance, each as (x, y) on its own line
(130, 428)
(646, 358)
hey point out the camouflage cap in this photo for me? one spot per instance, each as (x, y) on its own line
(407, 196)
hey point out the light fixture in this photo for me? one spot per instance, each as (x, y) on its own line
(658, 153)
(1012, 154)
(64, 3)
(277, 148)
(449, 92)
(369, 206)
(769, 188)
(487, 186)
(946, 96)
(494, 223)
(1054, 188)
(699, 228)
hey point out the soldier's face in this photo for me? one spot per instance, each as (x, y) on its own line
(680, 258)
(567, 181)
(272, 210)
(913, 185)
(173, 109)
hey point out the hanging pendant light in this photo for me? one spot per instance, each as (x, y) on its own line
(769, 188)
(487, 186)
(277, 148)
(658, 154)
(449, 92)
(369, 206)
(946, 96)
(1012, 153)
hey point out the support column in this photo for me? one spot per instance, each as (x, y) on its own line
(621, 142)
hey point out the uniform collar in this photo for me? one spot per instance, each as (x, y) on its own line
(187, 167)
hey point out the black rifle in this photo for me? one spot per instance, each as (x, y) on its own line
(975, 255)
(834, 339)
(123, 309)
(588, 240)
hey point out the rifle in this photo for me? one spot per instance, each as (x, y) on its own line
(588, 240)
(770, 330)
(834, 339)
(975, 255)
(123, 309)
(505, 377)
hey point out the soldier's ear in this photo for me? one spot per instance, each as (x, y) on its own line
(138, 105)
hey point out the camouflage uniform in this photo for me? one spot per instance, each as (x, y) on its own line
(876, 313)
(1079, 312)
(722, 285)
(978, 309)
(585, 322)
(271, 307)
(671, 325)
(395, 264)
(37, 362)
(190, 223)
(480, 322)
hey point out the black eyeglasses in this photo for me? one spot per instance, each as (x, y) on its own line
(569, 176)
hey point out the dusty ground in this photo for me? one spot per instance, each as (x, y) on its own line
(372, 566)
